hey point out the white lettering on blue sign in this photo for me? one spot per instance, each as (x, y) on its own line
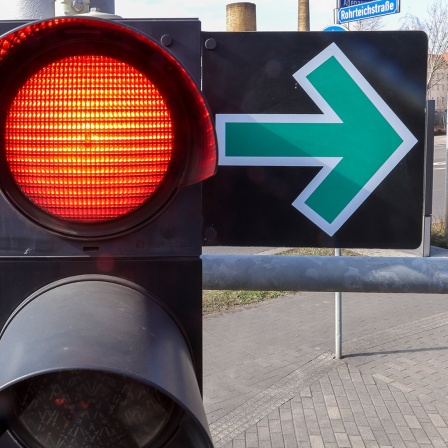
(367, 10)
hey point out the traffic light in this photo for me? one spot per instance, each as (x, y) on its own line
(104, 139)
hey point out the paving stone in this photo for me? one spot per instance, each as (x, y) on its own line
(266, 385)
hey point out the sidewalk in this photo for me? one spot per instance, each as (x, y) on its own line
(270, 378)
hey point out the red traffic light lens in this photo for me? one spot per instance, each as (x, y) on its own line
(88, 138)
(100, 126)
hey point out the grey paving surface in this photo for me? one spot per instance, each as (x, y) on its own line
(270, 378)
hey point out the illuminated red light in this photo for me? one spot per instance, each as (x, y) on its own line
(100, 126)
(88, 138)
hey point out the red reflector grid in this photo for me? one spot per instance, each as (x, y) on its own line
(88, 138)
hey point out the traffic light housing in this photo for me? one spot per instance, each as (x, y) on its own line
(104, 140)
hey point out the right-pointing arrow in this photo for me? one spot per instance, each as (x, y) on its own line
(357, 140)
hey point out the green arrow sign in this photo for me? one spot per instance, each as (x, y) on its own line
(357, 139)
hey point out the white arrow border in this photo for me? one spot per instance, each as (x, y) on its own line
(328, 116)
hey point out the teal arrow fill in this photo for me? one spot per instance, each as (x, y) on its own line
(357, 140)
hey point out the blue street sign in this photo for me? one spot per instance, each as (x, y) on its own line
(368, 10)
(335, 28)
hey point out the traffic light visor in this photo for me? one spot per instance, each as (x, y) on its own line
(97, 361)
(101, 125)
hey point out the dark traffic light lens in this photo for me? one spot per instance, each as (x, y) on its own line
(74, 409)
